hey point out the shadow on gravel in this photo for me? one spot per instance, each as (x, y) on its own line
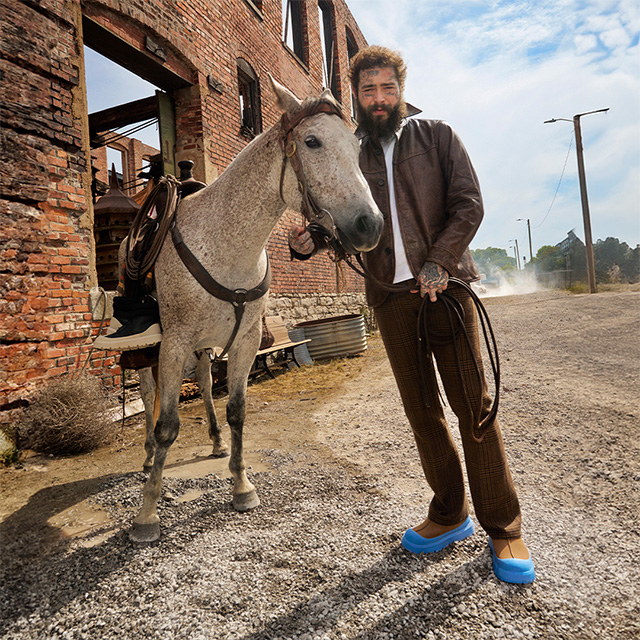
(30, 542)
(357, 587)
(41, 550)
(30, 525)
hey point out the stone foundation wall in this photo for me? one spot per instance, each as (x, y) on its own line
(300, 307)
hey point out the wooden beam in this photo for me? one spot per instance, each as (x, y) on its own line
(122, 115)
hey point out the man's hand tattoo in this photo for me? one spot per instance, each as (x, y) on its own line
(432, 279)
(300, 240)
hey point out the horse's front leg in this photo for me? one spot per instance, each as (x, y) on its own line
(205, 382)
(240, 362)
(146, 525)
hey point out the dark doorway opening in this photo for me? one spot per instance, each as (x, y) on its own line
(132, 133)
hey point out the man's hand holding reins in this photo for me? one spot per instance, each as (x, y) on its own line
(300, 240)
(433, 279)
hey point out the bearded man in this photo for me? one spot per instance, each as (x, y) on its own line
(424, 183)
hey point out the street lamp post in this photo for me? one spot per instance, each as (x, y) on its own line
(529, 231)
(517, 254)
(591, 270)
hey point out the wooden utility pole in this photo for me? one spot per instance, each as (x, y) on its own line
(529, 231)
(591, 270)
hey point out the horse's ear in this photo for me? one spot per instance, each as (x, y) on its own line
(327, 96)
(285, 99)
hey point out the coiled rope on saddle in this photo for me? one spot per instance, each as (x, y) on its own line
(147, 232)
(427, 337)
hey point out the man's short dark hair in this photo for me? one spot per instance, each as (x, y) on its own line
(376, 56)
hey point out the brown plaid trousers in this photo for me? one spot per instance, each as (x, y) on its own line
(492, 490)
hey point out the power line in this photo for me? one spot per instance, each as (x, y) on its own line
(106, 140)
(559, 183)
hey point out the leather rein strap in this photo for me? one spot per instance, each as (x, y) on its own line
(237, 297)
(427, 336)
(310, 209)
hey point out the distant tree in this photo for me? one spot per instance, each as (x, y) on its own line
(615, 259)
(631, 267)
(548, 258)
(491, 259)
(577, 260)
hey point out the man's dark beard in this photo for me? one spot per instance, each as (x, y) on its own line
(376, 126)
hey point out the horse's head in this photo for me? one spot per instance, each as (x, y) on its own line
(322, 173)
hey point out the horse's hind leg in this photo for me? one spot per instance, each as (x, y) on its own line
(244, 493)
(148, 394)
(146, 525)
(203, 374)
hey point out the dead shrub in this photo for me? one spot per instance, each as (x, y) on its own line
(67, 416)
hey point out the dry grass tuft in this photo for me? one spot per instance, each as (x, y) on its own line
(324, 377)
(67, 416)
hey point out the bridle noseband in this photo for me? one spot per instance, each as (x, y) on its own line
(310, 209)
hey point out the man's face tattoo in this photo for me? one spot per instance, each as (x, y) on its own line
(380, 107)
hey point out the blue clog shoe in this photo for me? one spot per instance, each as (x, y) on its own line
(415, 543)
(513, 570)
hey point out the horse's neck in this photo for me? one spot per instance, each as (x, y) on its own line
(243, 205)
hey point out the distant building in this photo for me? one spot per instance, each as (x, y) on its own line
(566, 245)
(210, 63)
(574, 252)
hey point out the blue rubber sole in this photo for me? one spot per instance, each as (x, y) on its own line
(512, 570)
(415, 543)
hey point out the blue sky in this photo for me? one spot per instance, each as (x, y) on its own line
(496, 70)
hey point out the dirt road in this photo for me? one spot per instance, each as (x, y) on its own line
(339, 480)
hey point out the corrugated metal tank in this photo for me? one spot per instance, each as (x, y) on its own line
(336, 336)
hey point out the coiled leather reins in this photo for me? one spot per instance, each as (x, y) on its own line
(427, 337)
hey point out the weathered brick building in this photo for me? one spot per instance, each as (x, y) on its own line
(209, 60)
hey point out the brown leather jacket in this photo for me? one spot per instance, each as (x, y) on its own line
(438, 200)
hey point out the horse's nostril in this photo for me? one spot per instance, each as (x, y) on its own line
(364, 230)
(368, 225)
(364, 224)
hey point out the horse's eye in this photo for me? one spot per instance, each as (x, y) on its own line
(312, 142)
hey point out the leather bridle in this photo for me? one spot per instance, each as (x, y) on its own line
(310, 209)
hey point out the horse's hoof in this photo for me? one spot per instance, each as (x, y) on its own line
(144, 532)
(146, 468)
(245, 501)
(219, 453)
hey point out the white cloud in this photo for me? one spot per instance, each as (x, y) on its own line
(615, 38)
(585, 43)
(497, 71)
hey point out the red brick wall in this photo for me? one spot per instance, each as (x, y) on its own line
(47, 263)
(136, 155)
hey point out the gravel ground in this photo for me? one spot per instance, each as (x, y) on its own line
(320, 558)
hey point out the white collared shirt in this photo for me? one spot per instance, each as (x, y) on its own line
(403, 271)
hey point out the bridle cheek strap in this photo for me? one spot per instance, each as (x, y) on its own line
(311, 211)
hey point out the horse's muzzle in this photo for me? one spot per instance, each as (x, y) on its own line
(362, 232)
